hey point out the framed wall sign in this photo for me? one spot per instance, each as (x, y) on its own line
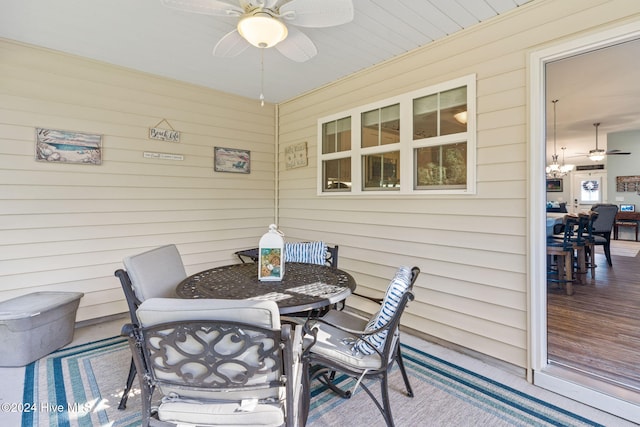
(554, 185)
(296, 155)
(231, 160)
(63, 146)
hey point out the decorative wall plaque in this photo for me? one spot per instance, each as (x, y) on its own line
(63, 146)
(231, 160)
(160, 134)
(296, 155)
(628, 183)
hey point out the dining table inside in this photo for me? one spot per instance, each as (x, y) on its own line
(304, 287)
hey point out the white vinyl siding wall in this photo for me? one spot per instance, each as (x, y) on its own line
(471, 249)
(68, 226)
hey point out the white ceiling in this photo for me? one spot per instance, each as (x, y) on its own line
(146, 36)
(602, 86)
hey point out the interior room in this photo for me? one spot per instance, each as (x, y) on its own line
(580, 98)
(410, 134)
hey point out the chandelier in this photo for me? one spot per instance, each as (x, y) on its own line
(555, 169)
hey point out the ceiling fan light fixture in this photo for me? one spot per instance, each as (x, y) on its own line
(596, 155)
(461, 117)
(262, 30)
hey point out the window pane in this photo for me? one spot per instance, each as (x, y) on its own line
(381, 126)
(381, 171)
(390, 124)
(336, 136)
(442, 166)
(337, 174)
(370, 131)
(344, 134)
(453, 111)
(451, 108)
(425, 117)
(590, 191)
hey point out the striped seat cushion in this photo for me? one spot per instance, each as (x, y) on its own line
(307, 252)
(397, 288)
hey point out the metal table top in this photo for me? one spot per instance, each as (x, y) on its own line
(304, 287)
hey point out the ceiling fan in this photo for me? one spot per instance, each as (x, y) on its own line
(598, 154)
(263, 23)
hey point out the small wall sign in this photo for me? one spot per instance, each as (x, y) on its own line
(296, 155)
(162, 156)
(161, 134)
(164, 134)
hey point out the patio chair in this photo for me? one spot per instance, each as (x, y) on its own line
(312, 252)
(150, 274)
(217, 362)
(347, 344)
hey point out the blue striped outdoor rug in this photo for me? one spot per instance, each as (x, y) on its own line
(81, 386)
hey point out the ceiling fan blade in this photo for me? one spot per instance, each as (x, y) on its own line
(620, 152)
(206, 7)
(297, 46)
(252, 4)
(268, 4)
(232, 44)
(318, 14)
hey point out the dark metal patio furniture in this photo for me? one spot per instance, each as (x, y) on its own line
(361, 349)
(153, 273)
(218, 362)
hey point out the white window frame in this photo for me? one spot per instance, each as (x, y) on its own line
(406, 146)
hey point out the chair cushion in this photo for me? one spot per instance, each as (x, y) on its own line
(154, 311)
(203, 413)
(336, 344)
(397, 288)
(155, 273)
(307, 252)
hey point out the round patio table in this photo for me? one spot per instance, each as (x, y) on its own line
(304, 287)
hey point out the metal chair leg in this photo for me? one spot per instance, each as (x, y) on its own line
(384, 384)
(607, 253)
(405, 377)
(125, 394)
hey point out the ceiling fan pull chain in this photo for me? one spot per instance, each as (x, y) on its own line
(262, 77)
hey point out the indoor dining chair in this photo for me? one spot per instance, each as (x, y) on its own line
(603, 226)
(154, 273)
(560, 255)
(218, 362)
(361, 349)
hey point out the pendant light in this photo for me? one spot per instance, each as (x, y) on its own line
(556, 170)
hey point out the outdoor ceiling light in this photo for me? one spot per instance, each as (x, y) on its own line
(262, 30)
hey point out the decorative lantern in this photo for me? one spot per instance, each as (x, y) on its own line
(271, 255)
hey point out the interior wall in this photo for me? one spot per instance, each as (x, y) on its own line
(471, 249)
(623, 165)
(66, 227)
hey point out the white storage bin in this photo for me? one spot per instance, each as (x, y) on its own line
(36, 324)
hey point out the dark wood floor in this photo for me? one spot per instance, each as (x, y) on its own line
(597, 329)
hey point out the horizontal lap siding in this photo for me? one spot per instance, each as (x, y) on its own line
(67, 226)
(471, 249)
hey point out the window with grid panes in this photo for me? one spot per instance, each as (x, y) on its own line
(421, 142)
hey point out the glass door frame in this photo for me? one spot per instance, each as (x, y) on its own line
(541, 373)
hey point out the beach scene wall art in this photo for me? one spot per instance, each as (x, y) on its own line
(62, 146)
(231, 160)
